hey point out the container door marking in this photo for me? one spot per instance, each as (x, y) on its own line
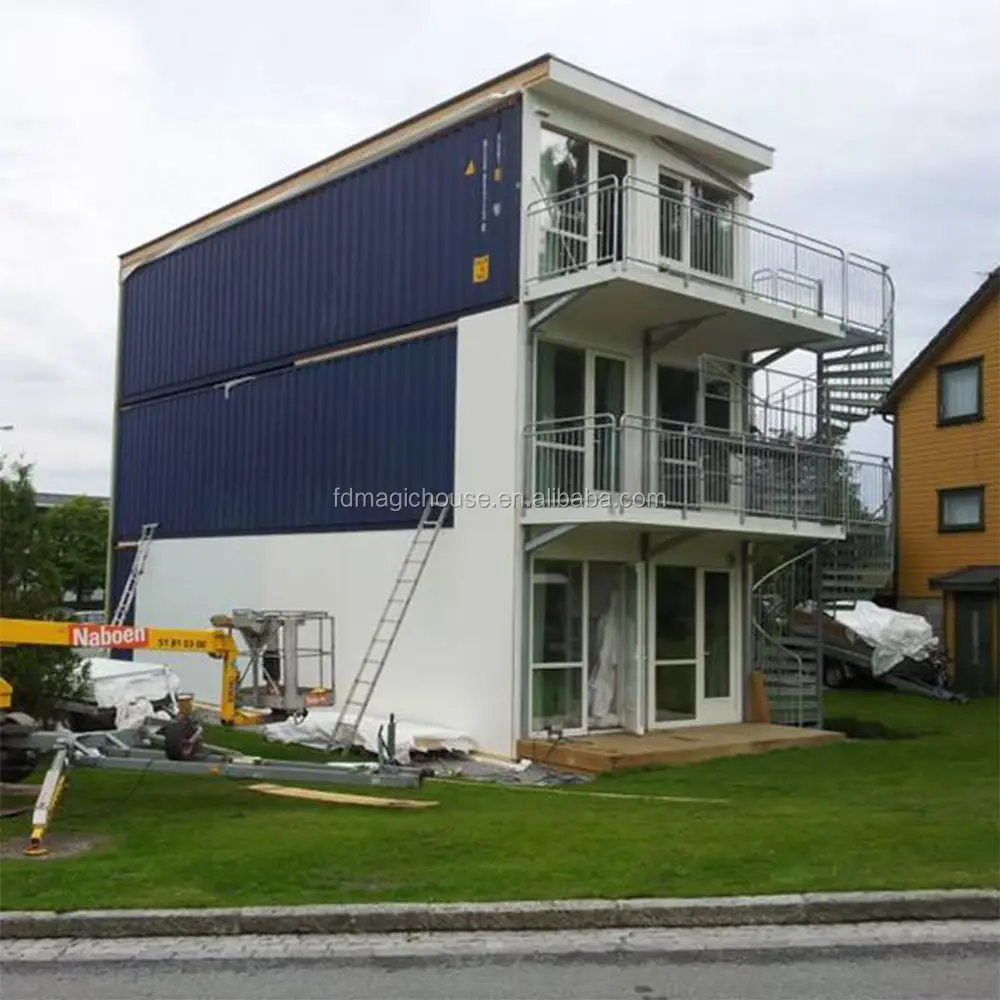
(483, 214)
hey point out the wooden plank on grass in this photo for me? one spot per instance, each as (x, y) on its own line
(340, 798)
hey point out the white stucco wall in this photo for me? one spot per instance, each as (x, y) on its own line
(452, 664)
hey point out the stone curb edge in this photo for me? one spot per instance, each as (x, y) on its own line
(569, 915)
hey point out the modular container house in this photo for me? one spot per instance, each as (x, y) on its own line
(547, 299)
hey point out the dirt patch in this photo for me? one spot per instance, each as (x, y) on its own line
(58, 846)
(859, 729)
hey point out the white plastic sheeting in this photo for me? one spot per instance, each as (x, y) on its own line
(605, 680)
(316, 730)
(893, 635)
(131, 689)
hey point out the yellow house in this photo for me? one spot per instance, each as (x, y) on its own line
(945, 411)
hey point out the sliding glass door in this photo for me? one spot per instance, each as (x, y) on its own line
(585, 668)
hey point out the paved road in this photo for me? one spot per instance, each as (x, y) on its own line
(859, 962)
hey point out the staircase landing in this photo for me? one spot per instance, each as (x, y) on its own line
(605, 752)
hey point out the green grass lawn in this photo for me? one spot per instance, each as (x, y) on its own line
(868, 814)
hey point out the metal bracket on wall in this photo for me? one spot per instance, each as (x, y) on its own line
(549, 535)
(673, 331)
(769, 359)
(553, 307)
(648, 551)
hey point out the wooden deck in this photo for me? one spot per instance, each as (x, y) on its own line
(604, 752)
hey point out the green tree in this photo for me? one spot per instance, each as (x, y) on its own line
(31, 586)
(79, 536)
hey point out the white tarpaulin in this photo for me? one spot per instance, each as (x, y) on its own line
(131, 689)
(316, 730)
(893, 635)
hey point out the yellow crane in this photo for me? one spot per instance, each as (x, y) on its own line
(22, 740)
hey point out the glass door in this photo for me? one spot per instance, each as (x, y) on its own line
(608, 408)
(609, 651)
(677, 451)
(632, 686)
(580, 398)
(718, 692)
(692, 634)
(564, 173)
(558, 692)
(674, 681)
(560, 405)
(612, 170)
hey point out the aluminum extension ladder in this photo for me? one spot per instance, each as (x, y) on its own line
(363, 685)
(132, 583)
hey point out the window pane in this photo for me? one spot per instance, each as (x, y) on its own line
(717, 654)
(712, 230)
(962, 510)
(675, 691)
(675, 613)
(563, 169)
(557, 698)
(562, 373)
(557, 598)
(671, 217)
(559, 437)
(959, 393)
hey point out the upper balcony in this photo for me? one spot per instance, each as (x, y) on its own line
(650, 253)
(664, 474)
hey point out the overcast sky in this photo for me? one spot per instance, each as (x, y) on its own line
(120, 120)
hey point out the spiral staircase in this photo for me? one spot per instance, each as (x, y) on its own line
(790, 601)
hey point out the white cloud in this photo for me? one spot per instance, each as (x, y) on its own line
(121, 120)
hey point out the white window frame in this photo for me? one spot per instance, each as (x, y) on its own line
(964, 367)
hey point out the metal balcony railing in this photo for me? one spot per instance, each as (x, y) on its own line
(635, 222)
(646, 462)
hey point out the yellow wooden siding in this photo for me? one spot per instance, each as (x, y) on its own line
(930, 458)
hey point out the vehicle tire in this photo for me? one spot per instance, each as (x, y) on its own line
(834, 674)
(17, 766)
(182, 739)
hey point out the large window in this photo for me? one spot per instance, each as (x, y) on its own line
(961, 509)
(960, 392)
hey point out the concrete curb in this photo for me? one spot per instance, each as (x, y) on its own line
(570, 915)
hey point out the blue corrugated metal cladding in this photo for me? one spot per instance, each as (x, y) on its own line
(269, 454)
(390, 246)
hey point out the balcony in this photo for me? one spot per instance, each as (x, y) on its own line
(766, 277)
(654, 472)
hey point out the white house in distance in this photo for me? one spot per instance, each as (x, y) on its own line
(547, 294)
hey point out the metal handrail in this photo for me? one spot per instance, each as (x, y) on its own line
(800, 478)
(734, 247)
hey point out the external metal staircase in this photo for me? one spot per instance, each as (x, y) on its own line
(854, 382)
(790, 602)
(363, 686)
